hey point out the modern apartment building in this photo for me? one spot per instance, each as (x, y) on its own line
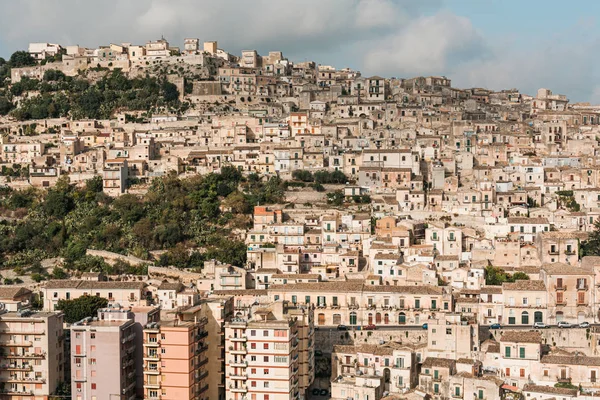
(31, 354)
(103, 356)
(175, 361)
(269, 353)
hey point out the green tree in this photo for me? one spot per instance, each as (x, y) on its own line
(591, 247)
(335, 198)
(20, 59)
(5, 105)
(81, 307)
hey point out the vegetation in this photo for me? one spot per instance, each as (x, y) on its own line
(61, 96)
(591, 247)
(190, 218)
(81, 307)
(497, 276)
(566, 197)
(320, 177)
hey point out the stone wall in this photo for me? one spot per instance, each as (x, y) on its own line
(325, 339)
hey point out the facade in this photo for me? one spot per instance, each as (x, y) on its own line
(33, 357)
(175, 361)
(270, 356)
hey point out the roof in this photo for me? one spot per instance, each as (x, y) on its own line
(549, 389)
(525, 220)
(571, 360)
(77, 284)
(565, 269)
(522, 284)
(177, 286)
(438, 362)
(521, 337)
(11, 292)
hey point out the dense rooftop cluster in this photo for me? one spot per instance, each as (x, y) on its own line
(249, 227)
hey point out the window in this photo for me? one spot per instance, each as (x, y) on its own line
(253, 332)
(480, 394)
(253, 383)
(92, 335)
(265, 346)
(522, 352)
(507, 352)
(93, 386)
(266, 359)
(253, 346)
(266, 371)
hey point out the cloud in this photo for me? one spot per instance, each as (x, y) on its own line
(430, 45)
(401, 38)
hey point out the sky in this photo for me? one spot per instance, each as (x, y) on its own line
(496, 44)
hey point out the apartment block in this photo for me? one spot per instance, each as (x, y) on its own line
(269, 356)
(175, 360)
(31, 354)
(103, 356)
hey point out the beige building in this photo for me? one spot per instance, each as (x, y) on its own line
(125, 293)
(31, 353)
(525, 302)
(103, 356)
(269, 353)
(371, 370)
(570, 294)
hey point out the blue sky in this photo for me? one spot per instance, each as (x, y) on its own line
(498, 44)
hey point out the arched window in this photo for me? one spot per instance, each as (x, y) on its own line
(378, 318)
(402, 318)
(370, 319)
(352, 318)
(386, 319)
(524, 318)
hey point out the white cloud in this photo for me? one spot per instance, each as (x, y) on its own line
(425, 46)
(384, 37)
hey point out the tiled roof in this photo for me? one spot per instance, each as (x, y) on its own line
(521, 337)
(525, 285)
(549, 389)
(438, 362)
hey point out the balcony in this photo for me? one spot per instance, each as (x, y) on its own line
(202, 375)
(14, 367)
(560, 287)
(30, 355)
(16, 344)
(202, 362)
(15, 379)
(238, 377)
(238, 364)
(238, 389)
(152, 343)
(238, 338)
(582, 286)
(152, 356)
(561, 303)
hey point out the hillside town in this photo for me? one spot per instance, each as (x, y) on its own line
(340, 236)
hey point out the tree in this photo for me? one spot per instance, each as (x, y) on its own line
(591, 247)
(5, 105)
(81, 307)
(335, 198)
(20, 59)
(169, 92)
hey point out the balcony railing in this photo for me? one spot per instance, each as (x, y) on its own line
(560, 287)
